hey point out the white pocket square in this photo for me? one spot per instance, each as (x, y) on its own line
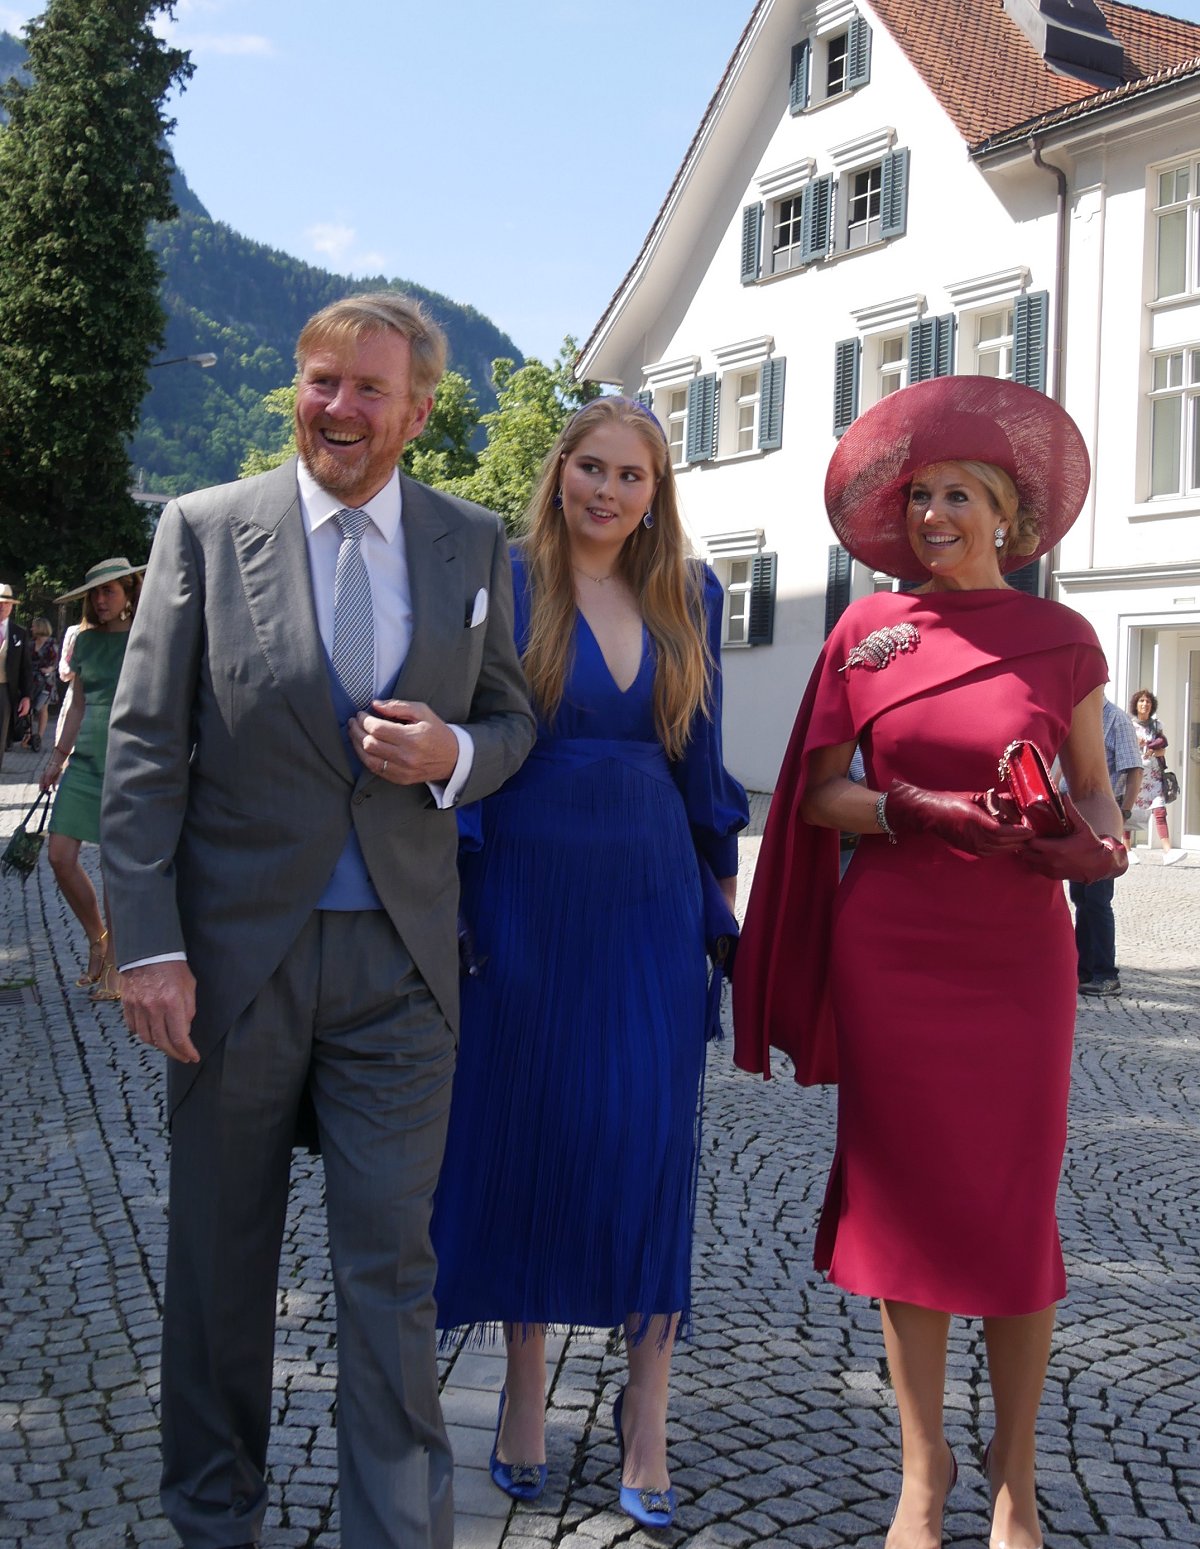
(479, 611)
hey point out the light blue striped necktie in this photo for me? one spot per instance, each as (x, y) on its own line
(353, 618)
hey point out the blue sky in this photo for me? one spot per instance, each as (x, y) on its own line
(509, 153)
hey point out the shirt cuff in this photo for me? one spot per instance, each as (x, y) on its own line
(144, 962)
(446, 793)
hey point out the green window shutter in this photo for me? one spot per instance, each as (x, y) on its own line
(798, 82)
(646, 399)
(931, 348)
(846, 356)
(837, 586)
(1031, 333)
(943, 349)
(1027, 579)
(701, 441)
(751, 242)
(760, 629)
(893, 196)
(858, 54)
(770, 404)
(815, 211)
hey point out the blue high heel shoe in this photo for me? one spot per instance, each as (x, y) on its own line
(648, 1508)
(523, 1481)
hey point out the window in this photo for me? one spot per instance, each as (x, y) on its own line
(836, 61)
(1176, 204)
(746, 430)
(675, 420)
(994, 344)
(787, 234)
(864, 190)
(749, 582)
(737, 602)
(826, 68)
(893, 364)
(749, 401)
(868, 205)
(1174, 432)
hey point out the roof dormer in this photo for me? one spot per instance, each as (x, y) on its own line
(1072, 37)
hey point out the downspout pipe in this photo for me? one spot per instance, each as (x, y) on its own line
(1060, 268)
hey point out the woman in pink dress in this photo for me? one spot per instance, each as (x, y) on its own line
(936, 985)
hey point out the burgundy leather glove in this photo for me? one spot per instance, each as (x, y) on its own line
(958, 817)
(1080, 856)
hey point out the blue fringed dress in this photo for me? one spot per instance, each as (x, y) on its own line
(568, 1190)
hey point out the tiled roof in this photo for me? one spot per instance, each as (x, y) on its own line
(989, 77)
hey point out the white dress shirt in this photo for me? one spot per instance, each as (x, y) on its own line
(384, 554)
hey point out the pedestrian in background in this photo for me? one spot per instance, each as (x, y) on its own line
(110, 593)
(16, 668)
(1150, 803)
(568, 1192)
(45, 679)
(1095, 922)
(936, 983)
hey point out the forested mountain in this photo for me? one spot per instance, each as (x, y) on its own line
(246, 303)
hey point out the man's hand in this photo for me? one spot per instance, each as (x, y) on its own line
(405, 742)
(159, 1001)
(23, 707)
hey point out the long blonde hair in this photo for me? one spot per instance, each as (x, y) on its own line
(655, 562)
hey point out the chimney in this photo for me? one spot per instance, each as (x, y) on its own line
(1072, 37)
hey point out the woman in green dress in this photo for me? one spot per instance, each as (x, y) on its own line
(110, 592)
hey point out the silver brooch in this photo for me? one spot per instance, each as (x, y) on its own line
(878, 648)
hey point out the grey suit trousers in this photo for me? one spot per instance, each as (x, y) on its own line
(347, 1014)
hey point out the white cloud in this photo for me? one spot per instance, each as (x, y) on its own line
(13, 18)
(331, 241)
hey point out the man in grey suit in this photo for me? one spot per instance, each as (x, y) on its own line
(321, 665)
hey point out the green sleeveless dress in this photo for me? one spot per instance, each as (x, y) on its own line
(96, 661)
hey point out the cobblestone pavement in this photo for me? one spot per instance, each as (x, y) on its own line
(782, 1425)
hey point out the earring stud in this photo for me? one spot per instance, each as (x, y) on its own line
(1000, 535)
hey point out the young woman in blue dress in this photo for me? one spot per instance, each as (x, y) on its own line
(568, 1191)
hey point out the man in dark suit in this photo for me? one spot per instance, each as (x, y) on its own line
(321, 665)
(16, 667)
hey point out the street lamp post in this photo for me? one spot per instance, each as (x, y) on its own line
(205, 359)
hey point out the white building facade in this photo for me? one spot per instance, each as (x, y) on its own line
(887, 190)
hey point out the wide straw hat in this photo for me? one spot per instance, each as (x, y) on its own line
(953, 419)
(7, 594)
(106, 570)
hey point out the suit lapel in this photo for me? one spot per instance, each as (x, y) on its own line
(436, 590)
(272, 553)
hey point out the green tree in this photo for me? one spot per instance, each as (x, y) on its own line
(534, 403)
(440, 454)
(83, 169)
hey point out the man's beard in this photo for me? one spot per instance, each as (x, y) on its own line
(335, 474)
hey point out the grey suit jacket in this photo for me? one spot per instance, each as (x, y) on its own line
(228, 795)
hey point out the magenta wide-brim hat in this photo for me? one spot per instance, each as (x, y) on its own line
(953, 419)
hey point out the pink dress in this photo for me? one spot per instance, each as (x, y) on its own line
(938, 988)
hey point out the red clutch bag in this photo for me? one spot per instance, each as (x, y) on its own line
(1025, 777)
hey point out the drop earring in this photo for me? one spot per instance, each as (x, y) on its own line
(557, 501)
(648, 519)
(1000, 535)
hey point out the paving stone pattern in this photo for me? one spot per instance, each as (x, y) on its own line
(783, 1428)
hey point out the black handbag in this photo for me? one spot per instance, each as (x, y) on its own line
(22, 850)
